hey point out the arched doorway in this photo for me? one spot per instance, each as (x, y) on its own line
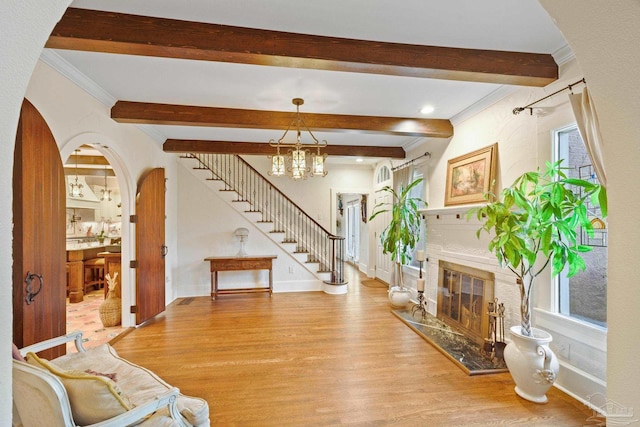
(93, 230)
(113, 215)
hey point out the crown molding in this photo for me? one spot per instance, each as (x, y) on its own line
(414, 143)
(563, 55)
(62, 66)
(483, 104)
(153, 133)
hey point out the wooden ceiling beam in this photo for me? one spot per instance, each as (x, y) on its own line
(71, 171)
(111, 32)
(86, 160)
(258, 148)
(185, 115)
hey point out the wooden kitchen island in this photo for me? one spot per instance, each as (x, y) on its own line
(75, 270)
(234, 263)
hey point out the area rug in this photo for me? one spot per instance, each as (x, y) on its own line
(84, 316)
(374, 283)
(461, 350)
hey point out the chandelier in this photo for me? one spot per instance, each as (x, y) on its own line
(294, 164)
(75, 189)
(106, 193)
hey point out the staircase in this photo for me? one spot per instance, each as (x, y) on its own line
(273, 213)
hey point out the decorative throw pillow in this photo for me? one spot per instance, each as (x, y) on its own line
(15, 353)
(93, 398)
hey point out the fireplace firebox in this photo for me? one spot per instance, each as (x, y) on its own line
(463, 296)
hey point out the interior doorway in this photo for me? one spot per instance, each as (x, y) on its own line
(351, 223)
(352, 231)
(93, 229)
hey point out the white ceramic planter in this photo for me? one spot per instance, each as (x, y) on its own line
(399, 297)
(532, 364)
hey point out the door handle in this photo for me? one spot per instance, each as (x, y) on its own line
(29, 290)
(164, 251)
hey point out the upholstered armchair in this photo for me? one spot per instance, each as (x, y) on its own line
(96, 387)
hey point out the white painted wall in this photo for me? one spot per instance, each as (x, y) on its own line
(206, 224)
(24, 27)
(524, 143)
(205, 228)
(604, 37)
(77, 118)
(315, 194)
(318, 196)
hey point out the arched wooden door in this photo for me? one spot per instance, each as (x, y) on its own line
(39, 253)
(150, 247)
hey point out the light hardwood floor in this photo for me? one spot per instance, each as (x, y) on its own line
(312, 359)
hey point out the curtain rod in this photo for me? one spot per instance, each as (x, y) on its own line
(405, 164)
(518, 110)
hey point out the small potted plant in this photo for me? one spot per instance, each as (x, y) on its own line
(536, 222)
(401, 234)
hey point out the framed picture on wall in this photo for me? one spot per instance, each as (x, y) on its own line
(470, 176)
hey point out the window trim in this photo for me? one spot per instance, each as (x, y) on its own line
(550, 318)
(587, 333)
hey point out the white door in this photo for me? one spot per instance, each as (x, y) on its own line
(353, 230)
(384, 266)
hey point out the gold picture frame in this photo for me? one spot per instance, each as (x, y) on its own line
(470, 176)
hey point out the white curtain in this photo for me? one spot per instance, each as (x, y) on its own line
(587, 121)
(402, 177)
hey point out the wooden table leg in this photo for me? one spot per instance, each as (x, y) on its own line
(270, 282)
(215, 285)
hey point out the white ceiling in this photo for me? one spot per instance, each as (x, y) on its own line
(521, 25)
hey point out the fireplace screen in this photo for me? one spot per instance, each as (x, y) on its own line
(463, 296)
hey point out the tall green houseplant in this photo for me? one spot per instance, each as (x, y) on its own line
(536, 222)
(403, 231)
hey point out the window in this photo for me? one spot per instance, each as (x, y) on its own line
(583, 296)
(384, 174)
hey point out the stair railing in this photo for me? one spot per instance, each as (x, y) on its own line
(275, 207)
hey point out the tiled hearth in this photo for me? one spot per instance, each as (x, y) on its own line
(460, 349)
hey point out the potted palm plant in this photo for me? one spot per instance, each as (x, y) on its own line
(401, 234)
(535, 223)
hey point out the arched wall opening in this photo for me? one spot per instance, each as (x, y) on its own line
(106, 146)
(27, 25)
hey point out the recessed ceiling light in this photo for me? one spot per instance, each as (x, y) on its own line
(359, 160)
(427, 109)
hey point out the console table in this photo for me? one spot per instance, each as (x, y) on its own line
(234, 263)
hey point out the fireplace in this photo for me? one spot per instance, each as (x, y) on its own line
(463, 296)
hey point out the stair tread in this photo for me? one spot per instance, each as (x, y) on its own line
(287, 239)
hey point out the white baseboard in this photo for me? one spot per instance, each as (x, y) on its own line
(580, 385)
